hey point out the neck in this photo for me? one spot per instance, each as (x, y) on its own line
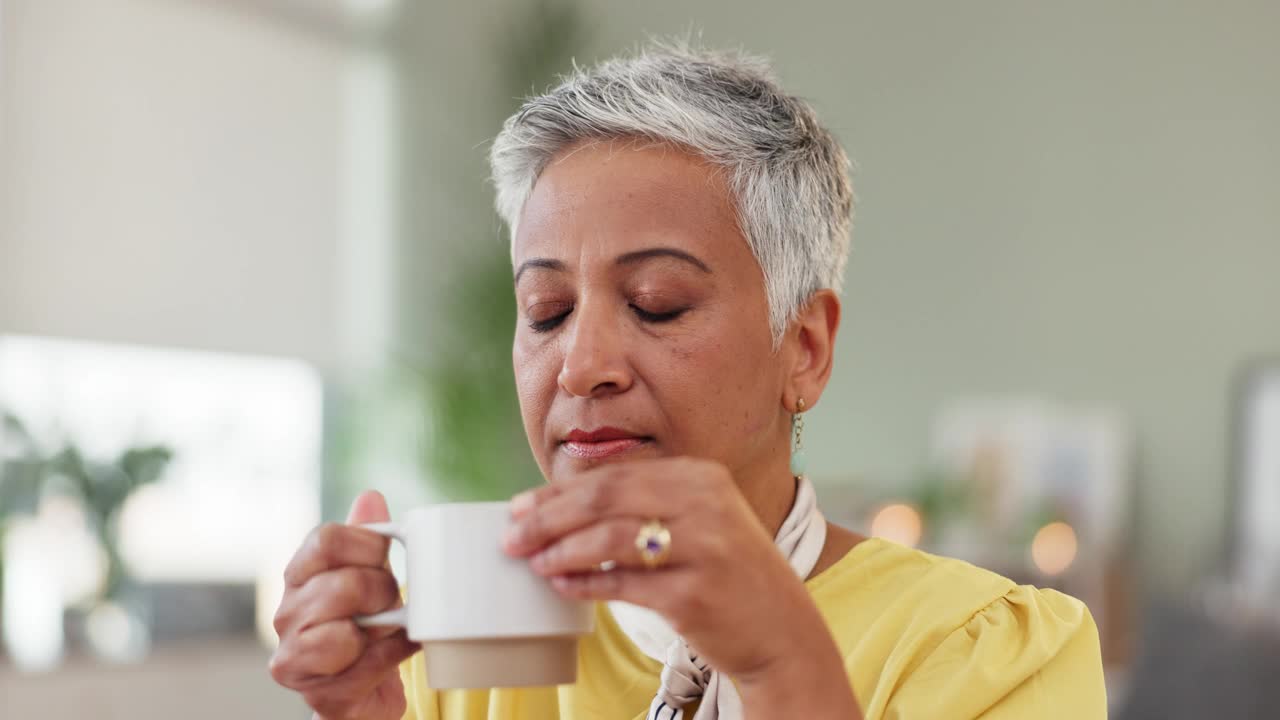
(771, 496)
(765, 478)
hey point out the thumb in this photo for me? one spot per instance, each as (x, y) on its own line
(369, 506)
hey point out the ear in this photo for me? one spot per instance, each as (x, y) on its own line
(812, 337)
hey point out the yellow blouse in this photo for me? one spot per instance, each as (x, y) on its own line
(922, 637)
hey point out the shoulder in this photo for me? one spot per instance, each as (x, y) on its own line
(928, 634)
(877, 576)
(1027, 653)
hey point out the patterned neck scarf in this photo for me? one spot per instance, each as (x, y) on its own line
(686, 677)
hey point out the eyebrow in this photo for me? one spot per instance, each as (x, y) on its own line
(630, 258)
(641, 255)
(546, 263)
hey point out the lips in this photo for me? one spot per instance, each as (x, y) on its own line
(601, 443)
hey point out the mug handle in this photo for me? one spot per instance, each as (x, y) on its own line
(396, 617)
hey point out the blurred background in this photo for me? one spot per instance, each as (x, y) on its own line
(248, 267)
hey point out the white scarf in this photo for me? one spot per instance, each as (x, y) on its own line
(685, 677)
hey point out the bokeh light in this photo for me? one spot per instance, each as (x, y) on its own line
(898, 522)
(1054, 548)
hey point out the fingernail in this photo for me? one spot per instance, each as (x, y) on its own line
(522, 502)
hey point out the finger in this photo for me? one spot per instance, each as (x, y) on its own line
(330, 648)
(661, 590)
(321, 650)
(606, 541)
(334, 694)
(522, 502)
(334, 595)
(342, 594)
(333, 546)
(625, 491)
(369, 506)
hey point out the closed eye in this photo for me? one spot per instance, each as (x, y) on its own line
(652, 317)
(548, 324)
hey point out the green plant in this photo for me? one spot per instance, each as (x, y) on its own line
(477, 448)
(941, 496)
(28, 471)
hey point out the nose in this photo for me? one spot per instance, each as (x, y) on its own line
(595, 362)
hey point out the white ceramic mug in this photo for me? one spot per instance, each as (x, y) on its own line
(484, 619)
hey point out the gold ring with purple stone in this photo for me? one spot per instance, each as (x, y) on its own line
(654, 543)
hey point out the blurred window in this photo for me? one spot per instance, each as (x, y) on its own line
(244, 483)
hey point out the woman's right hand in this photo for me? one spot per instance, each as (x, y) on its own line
(341, 669)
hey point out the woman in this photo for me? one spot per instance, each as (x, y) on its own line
(679, 233)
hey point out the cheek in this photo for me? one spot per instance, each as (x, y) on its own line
(717, 386)
(536, 368)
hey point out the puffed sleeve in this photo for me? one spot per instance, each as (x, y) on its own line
(1029, 654)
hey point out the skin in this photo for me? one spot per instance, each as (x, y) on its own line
(342, 670)
(641, 308)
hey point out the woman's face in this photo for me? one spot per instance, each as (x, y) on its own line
(642, 323)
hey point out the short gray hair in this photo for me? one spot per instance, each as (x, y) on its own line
(788, 174)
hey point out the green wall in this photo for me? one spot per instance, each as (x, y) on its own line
(1080, 200)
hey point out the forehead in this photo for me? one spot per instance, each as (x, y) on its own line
(611, 197)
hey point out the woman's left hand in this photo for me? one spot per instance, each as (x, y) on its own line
(724, 587)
